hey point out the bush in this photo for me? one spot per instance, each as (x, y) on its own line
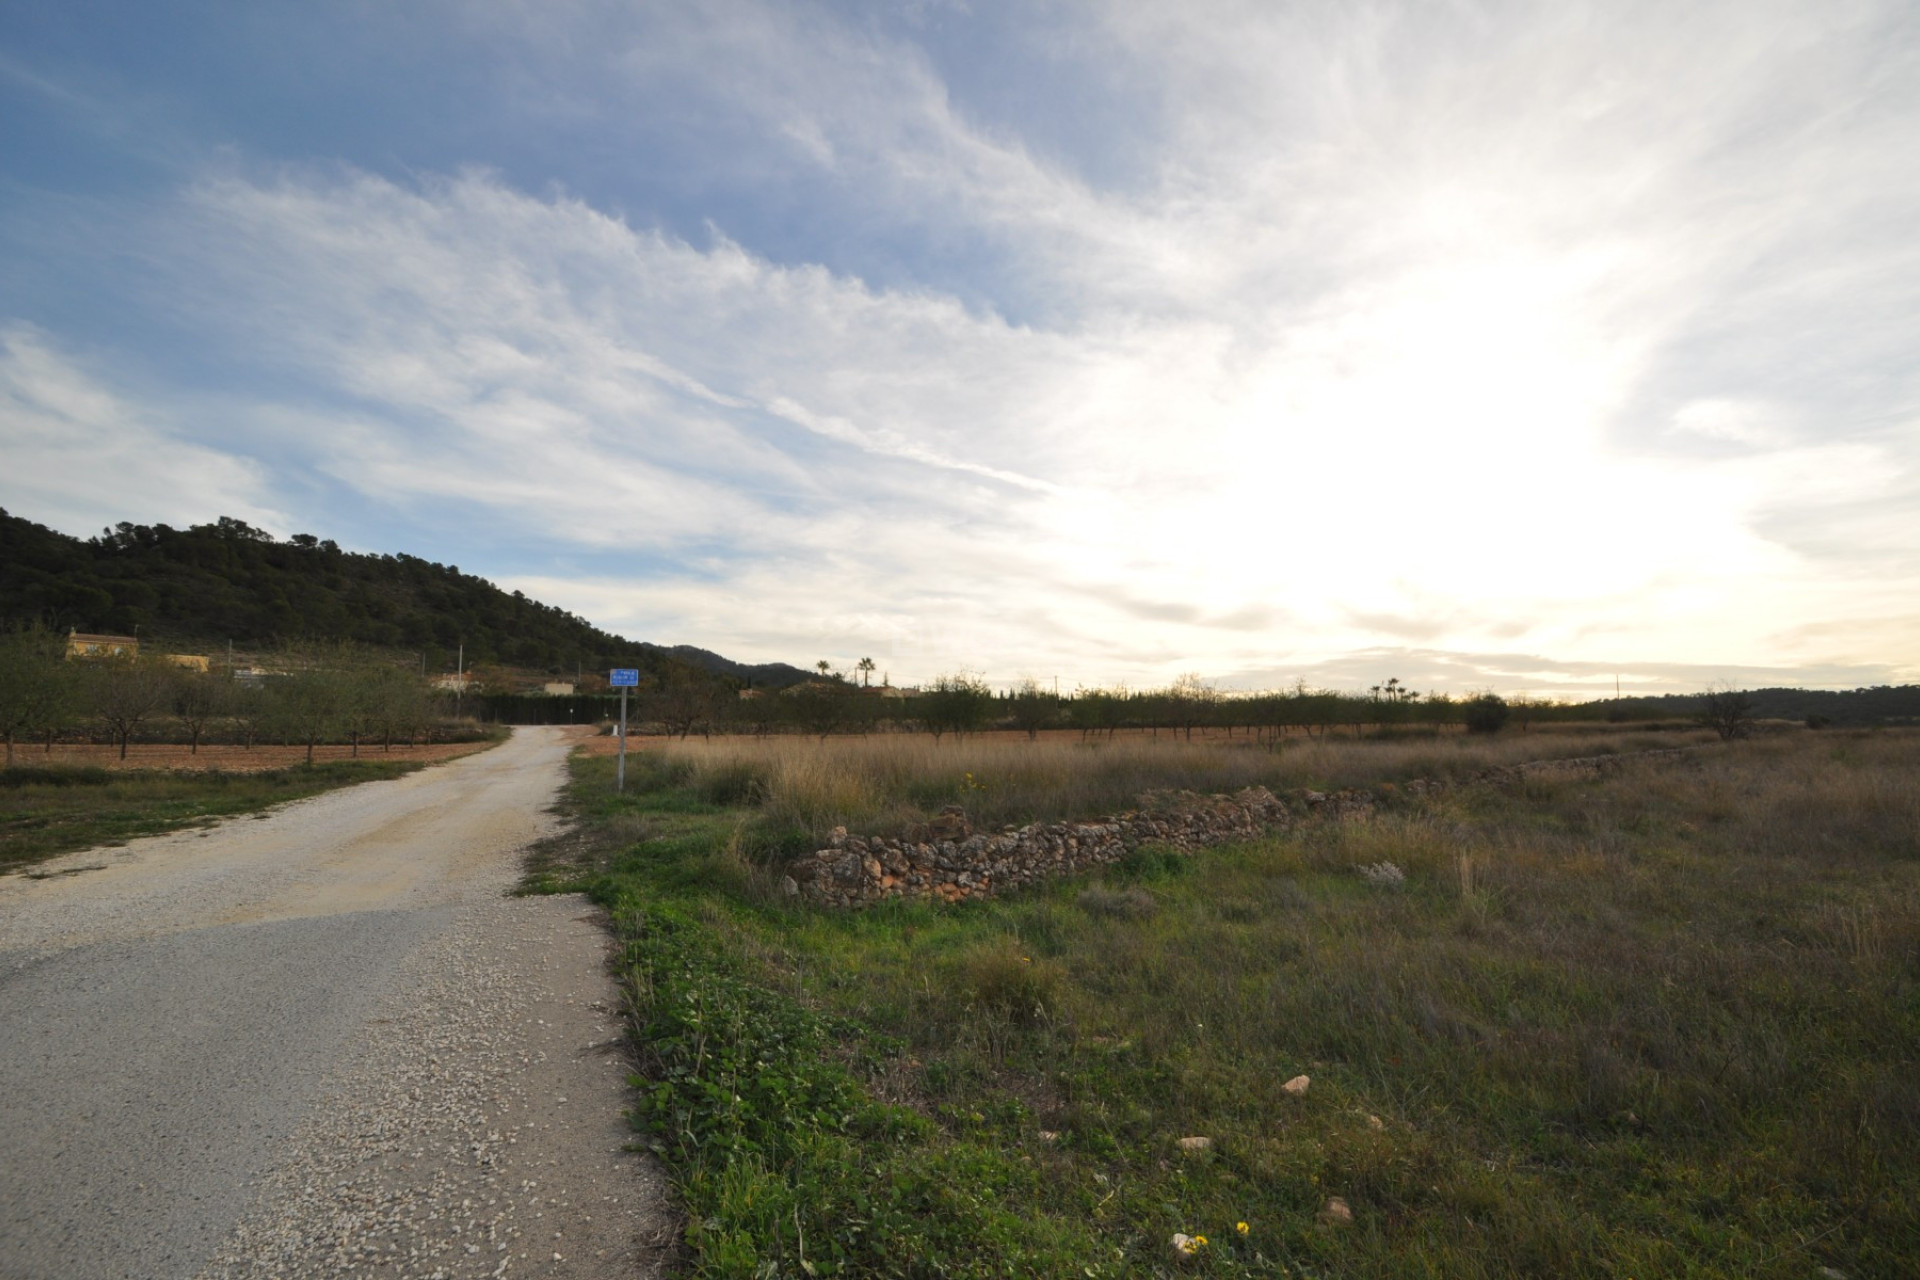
(1486, 713)
(1727, 711)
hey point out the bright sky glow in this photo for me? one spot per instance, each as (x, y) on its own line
(1486, 345)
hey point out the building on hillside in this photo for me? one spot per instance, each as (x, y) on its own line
(749, 694)
(452, 682)
(189, 661)
(82, 645)
(558, 688)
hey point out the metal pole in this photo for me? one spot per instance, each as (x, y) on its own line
(620, 773)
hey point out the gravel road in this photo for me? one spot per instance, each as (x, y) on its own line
(320, 1042)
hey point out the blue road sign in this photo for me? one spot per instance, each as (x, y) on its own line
(625, 676)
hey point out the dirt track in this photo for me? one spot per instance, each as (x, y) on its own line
(319, 1042)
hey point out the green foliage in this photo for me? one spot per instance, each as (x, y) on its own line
(1486, 713)
(1033, 708)
(1880, 705)
(1148, 864)
(38, 693)
(227, 581)
(957, 704)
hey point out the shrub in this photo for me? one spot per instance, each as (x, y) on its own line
(1726, 711)
(1486, 713)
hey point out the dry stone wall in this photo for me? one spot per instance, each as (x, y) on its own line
(948, 860)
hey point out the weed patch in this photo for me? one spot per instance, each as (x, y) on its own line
(1661, 1023)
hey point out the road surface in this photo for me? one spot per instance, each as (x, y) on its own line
(320, 1041)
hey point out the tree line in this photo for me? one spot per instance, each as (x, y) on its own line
(682, 703)
(308, 696)
(961, 703)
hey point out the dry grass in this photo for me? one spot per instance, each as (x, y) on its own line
(886, 782)
(1658, 1023)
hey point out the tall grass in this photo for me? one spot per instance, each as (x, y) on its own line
(1660, 1023)
(880, 784)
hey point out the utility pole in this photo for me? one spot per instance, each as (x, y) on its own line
(459, 678)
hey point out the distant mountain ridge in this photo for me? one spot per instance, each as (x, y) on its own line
(204, 586)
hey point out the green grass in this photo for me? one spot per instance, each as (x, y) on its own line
(1667, 1023)
(49, 811)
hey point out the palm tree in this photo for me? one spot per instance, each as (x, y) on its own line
(865, 666)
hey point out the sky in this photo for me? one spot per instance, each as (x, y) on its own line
(1530, 346)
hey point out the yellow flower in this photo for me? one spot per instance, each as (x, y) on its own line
(1241, 1227)
(1201, 1241)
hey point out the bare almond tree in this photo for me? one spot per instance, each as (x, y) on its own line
(196, 700)
(1725, 710)
(126, 692)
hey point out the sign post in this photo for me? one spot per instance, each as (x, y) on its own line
(623, 679)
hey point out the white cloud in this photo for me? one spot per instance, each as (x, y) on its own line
(80, 458)
(959, 477)
(1546, 329)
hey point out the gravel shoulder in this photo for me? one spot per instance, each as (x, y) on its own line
(321, 1043)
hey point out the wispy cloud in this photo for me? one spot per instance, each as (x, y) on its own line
(1541, 330)
(80, 457)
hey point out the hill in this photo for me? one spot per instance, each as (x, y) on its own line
(211, 584)
(1881, 705)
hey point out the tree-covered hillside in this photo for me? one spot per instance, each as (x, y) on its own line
(207, 585)
(1884, 704)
